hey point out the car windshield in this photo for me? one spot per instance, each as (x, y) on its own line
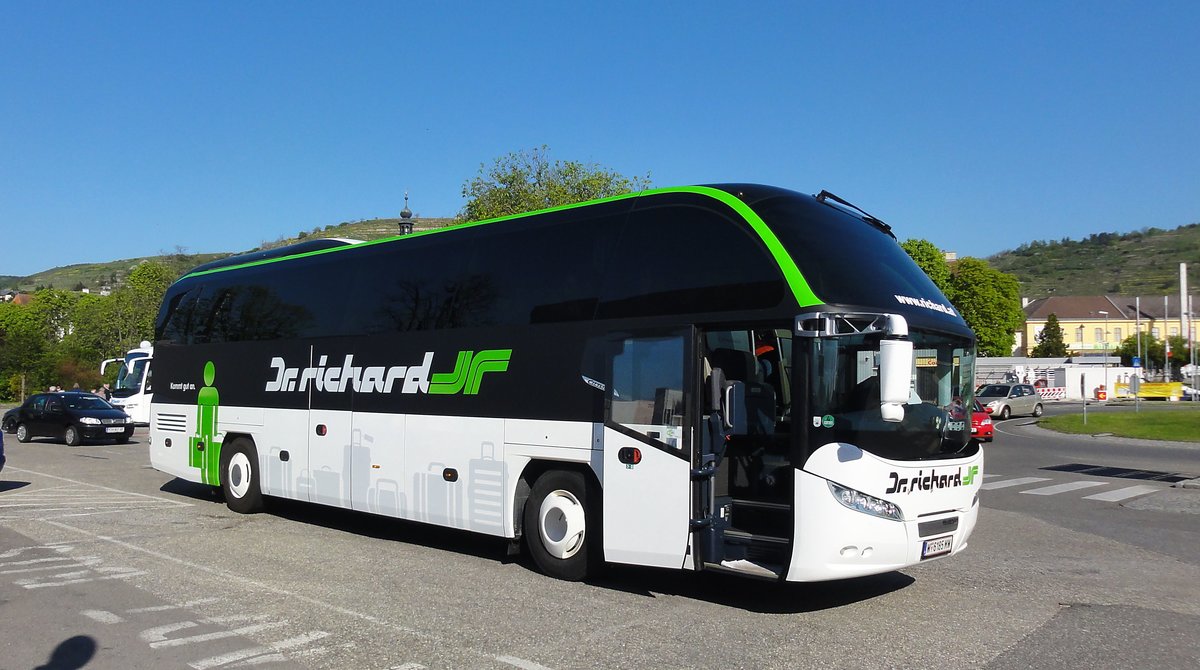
(86, 402)
(993, 391)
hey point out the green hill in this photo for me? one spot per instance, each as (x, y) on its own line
(100, 276)
(1144, 262)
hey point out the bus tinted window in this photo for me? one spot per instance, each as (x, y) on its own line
(675, 260)
(174, 318)
(417, 284)
(541, 271)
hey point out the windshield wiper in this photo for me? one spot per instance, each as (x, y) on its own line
(824, 196)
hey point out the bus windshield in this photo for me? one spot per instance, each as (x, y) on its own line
(844, 400)
(129, 379)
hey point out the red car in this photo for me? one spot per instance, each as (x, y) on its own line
(981, 423)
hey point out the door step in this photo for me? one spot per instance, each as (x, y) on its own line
(747, 568)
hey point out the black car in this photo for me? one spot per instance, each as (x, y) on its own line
(1, 450)
(72, 417)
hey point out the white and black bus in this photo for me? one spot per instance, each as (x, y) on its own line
(736, 377)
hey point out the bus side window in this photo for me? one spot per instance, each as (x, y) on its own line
(646, 393)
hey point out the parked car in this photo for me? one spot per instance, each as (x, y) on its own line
(71, 417)
(1006, 400)
(1, 450)
(981, 423)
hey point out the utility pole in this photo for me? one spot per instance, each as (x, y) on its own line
(1167, 340)
(1104, 340)
(1136, 382)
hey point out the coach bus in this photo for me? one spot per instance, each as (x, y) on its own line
(734, 378)
(131, 391)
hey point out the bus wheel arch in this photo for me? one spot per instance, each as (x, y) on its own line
(561, 521)
(240, 480)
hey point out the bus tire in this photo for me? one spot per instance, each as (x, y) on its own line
(239, 477)
(560, 528)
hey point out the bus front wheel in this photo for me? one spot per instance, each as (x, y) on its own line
(558, 525)
(239, 477)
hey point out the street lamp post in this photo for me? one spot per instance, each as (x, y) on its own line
(1104, 341)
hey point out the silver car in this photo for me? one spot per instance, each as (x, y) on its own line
(1005, 400)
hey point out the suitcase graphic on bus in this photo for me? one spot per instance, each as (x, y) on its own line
(279, 473)
(485, 491)
(435, 499)
(357, 452)
(386, 498)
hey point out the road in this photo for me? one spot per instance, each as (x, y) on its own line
(107, 562)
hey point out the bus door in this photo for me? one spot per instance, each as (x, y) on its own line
(647, 446)
(331, 444)
(742, 506)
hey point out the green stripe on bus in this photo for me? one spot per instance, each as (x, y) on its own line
(800, 289)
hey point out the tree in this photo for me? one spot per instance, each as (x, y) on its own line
(526, 181)
(1050, 340)
(990, 302)
(930, 259)
(1152, 351)
(137, 303)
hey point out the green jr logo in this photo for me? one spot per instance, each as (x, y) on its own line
(971, 472)
(468, 371)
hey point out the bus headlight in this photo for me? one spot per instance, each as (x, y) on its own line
(861, 502)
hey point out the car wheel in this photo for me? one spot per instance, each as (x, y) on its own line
(71, 436)
(1005, 412)
(1037, 409)
(239, 477)
(23, 433)
(559, 527)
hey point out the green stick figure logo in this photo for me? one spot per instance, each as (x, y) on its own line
(204, 450)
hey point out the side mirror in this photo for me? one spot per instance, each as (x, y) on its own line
(989, 410)
(895, 377)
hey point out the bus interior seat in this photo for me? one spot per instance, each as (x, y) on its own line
(743, 473)
(760, 396)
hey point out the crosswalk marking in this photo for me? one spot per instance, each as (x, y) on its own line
(1122, 494)
(1019, 481)
(1062, 488)
(1115, 495)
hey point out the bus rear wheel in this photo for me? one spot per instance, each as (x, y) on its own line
(559, 528)
(239, 477)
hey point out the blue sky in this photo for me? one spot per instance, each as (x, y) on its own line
(132, 128)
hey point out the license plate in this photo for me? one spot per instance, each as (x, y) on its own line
(114, 429)
(937, 546)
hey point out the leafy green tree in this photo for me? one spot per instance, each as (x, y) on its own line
(1050, 340)
(990, 302)
(1181, 355)
(1153, 353)
(930, 259)
(144, 289)
(526, 181)
(23, 348)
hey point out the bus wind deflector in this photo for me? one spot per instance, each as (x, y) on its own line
(895, 350)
